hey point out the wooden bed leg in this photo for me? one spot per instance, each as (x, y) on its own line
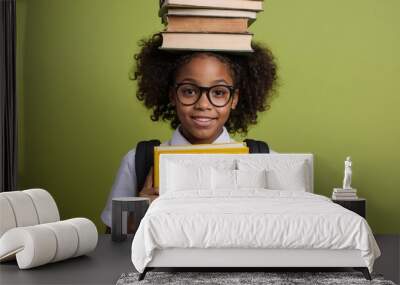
(143, 274)
(364, 271)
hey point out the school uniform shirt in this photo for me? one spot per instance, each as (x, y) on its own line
(125, 184)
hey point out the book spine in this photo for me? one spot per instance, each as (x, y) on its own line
(212, 33)
(344, 198)
(245, 5)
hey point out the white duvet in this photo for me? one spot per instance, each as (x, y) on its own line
(253, 218)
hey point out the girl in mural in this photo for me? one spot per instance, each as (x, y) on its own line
(235, 88)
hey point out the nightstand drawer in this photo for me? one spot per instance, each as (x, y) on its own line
(357, 206)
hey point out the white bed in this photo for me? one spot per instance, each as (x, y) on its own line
(203, 220)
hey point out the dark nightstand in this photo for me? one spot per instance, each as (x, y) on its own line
(357, 205)
(124, 205)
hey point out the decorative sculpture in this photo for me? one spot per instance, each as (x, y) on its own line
(347, 174)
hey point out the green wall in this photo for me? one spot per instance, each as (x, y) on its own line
(339, 95)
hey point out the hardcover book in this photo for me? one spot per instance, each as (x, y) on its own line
(206, 24)
(216, 13)
(249, 5)
(234, 42)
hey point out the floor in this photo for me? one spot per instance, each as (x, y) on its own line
(389, 262)
(110, 260)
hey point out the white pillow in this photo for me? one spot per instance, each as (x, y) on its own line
(251, 178)
(281, 174)
(226, 179)
(293, 178)
(223, 179)
(183, 177)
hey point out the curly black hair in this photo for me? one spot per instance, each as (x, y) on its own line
(254, 74)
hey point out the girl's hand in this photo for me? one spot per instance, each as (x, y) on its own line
(148, 190)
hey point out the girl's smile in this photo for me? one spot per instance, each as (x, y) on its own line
(203, 121)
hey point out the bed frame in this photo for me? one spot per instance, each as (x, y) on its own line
(242, 259)
(250, 258)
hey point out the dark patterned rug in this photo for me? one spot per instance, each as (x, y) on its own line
(243, 278)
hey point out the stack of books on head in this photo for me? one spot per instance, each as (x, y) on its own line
(232, 148)
(208, 25)
(344, 194)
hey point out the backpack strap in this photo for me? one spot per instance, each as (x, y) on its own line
(256, 146)
(144, 159)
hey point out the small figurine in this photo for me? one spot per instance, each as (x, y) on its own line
(347, 174)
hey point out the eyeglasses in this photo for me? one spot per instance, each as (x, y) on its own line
(188, 94)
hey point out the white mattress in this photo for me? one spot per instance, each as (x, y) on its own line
(253, 218)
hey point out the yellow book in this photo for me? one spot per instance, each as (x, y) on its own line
(228, 148)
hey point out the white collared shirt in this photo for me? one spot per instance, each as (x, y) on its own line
(125, 184)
